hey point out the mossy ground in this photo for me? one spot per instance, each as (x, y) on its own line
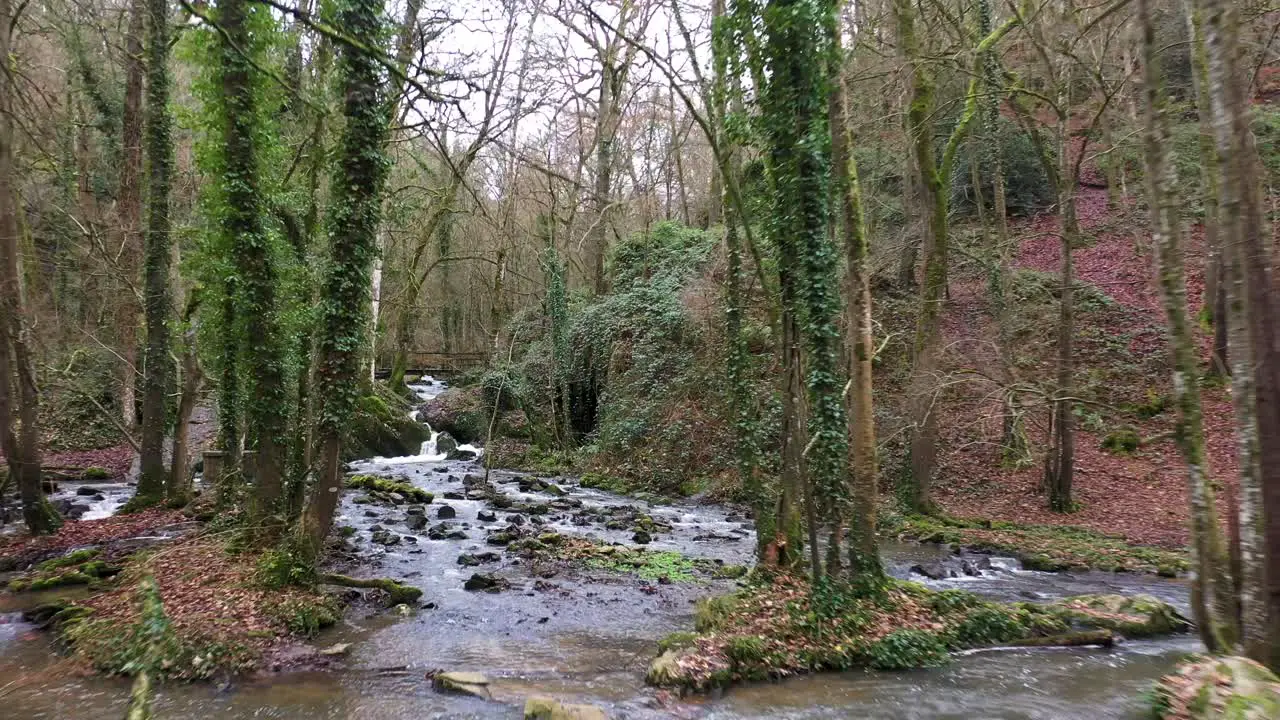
(1041, 547)
(779, 626)
(656, 565)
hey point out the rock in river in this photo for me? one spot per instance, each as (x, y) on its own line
(445, 531)
(539, 707)
(485, 582)
(446, 512)
(464, 683)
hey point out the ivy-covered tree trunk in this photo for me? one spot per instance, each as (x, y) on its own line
(17, 369)
(793, 109)
(157, 371)
(1212, 600)
(353, 227)
(266, 402)
(863, 550)
(926, 347)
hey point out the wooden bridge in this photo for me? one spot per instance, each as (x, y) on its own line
(431, 362)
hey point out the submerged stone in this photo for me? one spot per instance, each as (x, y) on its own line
(462, 683)
(539, 707)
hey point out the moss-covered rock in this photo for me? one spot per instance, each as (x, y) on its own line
(461, 412)
(381, 427)
(1226, 688)
(387, 487)
(1130, 615)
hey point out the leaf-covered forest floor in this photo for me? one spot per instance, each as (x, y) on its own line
(1121, 366)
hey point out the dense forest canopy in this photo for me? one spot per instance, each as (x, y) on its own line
(999, 275)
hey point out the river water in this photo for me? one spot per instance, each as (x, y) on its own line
(587, 635)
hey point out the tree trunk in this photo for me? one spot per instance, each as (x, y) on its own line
(1241, 209)
(863, 550)
(157, 369)
(178, 489)
(266, 405)
(22, 449)
(356, 204)
(129, 209)
(1215, 274)
(926, 348)
(1212, 597)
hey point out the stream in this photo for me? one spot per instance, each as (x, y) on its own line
(587, 635)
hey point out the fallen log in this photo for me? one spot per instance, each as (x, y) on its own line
(399, 593)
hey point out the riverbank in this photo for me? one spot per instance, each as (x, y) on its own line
(779, 626)
(1049, 548)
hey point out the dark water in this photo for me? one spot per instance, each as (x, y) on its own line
(587, 636)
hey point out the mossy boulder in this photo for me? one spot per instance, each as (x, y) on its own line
(1132, 616)
(461, 412)
(382, 428)
(1225, 688)
(385, 488)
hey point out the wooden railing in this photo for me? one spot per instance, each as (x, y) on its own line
(430, 361)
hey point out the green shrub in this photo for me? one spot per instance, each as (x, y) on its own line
(1027, 189)
(907, 649)
(1124, 441)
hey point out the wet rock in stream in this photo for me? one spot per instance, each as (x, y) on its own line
(445, 531)
(446, 512)
(484, 582)
(415, 522)
(487, 516)
(478, 558)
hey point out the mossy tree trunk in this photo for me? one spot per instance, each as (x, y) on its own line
(863, 550)
(266, 403)
(157, 372)
(17, 372)
(1212, 597)
(792, 109)
(1215, 274)
(129, 210)
(1255, 350)
(357, 185)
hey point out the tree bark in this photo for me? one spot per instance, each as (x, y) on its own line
(17, 372)
(1241, 208)
(129, 210)
(356, 208)
(1212, 598)
(157, 370)
(863, 550)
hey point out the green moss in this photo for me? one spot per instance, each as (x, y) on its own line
(1132, 616)
(1124, 441)
(96, 473)
(677, 641)
(746, 650)
(907, 649)
(988, 625)
(72, 558)
(383, 485)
